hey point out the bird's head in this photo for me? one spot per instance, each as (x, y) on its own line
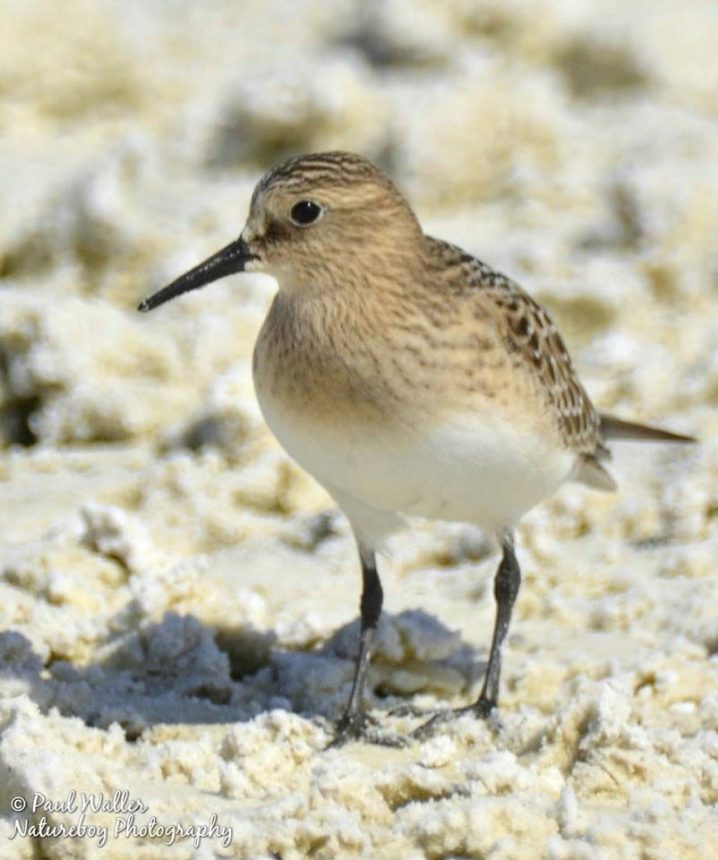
(315, 222)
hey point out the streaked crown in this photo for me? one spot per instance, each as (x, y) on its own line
(317, 219)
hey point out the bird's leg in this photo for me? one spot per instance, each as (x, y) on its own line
(354, 721)
(506, 588)
(507, 582)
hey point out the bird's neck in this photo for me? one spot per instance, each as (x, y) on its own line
(363, 274)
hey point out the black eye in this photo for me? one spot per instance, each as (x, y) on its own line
(305, 212)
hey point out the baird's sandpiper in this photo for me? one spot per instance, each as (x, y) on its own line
(407, 376)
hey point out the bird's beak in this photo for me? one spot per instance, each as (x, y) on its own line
(231, 259)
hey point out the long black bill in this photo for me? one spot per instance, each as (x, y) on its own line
(231, 259)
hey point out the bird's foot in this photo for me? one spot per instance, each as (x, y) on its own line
(480, 709)
(361, 726)
(412, 711)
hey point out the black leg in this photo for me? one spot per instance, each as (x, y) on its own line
(507, 582)
(353, 722)
(506, 588)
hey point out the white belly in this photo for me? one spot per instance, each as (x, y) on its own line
(477, 469)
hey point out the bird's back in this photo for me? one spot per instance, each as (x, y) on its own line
(536, 350)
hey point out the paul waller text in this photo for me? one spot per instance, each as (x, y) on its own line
(120, 804)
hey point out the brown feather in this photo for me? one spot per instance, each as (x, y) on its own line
(616, 428)
(529, 332)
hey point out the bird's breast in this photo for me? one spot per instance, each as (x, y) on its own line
(314, 363)
(369, 429)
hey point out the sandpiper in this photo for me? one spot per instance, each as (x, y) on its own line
(407, 376)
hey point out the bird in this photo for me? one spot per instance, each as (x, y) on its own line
(409, 378)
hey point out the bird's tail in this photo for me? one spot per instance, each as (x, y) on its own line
(615, 428)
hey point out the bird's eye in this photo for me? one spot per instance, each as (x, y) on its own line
(305, 212)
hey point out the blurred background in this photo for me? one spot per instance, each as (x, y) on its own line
(571, 143)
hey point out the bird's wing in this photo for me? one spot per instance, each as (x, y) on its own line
(529, 333)
(617, 428)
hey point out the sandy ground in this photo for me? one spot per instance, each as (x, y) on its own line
(178, 601)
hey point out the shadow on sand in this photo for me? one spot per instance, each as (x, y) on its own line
(180, 671)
